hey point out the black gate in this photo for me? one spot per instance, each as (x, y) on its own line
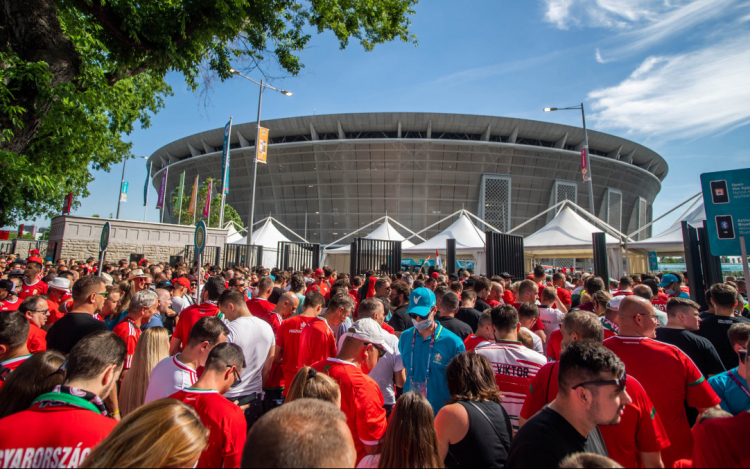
(504, 254)
(211, 254)
(242, 255)
(601, 262)
(693, 265)
(380, 256)
(711, 264)
(293, 256)
(450, 256)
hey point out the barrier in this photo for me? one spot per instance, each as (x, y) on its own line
(293, 256)
(242, 255)
(380, 256)
(504, 254)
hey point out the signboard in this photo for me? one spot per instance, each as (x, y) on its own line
(729, 267)
(726, 196)
(653, 261)
(162, 189)
(585, 164)
(104, 239)
(262, 145)
(124, 192)
(200, 237)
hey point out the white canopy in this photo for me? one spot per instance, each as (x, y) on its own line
(267, 236)
(468, 238)
(670, 240)
(385, 231)
(233, 236)
(567, 235)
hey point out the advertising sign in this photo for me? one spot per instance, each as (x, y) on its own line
(225, 159)
(200, 237)
(162, 189)
(726, 197)
(124, 191)
(193, 197)
(104, 239)
(653, 261)
(263, 146)
(585, 164)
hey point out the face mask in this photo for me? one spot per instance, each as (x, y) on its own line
(421, 326)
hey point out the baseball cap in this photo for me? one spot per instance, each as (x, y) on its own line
(165, 284)
(60, 283)
(421, 302)
(17, 272)
(36, 259)
(182, 281)
(435, 275)
(320, 273)
(7, 285)
(614, 303)
(668, 280)
(143, 261)
(505, 275)
(369, 330)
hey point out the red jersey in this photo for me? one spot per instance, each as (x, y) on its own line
(130, 333)
(7, 305)
(388, 328)
(288, 340)
(473, 341)
(622, 293)
(226, 425)
(189, 316)
(323, 289)
(564, 296)
(36, 288)
(11, 364)
(37, 341)
(671, 379)
(660, 304)
(59, 436)
(276, 375)
(723, 442)
(554, 345)
(640, 430)
(260, 307)
(508, 297)
(58, 310)
(492, 303)
(361, 402)
(316, 343)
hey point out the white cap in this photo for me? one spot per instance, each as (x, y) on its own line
(60, 283)
(368, 330)
(614, 303)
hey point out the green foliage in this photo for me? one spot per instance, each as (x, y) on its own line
(14, 235)
(230, 214)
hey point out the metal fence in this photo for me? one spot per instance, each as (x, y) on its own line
(242, 255)
(297, 256)
(380, 256)
(504, 254)
(211, 254)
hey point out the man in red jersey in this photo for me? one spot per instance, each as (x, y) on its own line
(528, 291)
(288, 339)
(142, 307)
(8, 300)
(14, 333)
(317, 341)
(669, 377)
(31, 284)
(224, 420)
(638, 439)
(625, 287)
(274, 386)
(559, 281)
(63, 426)
(59, 294)
(361, 398)
(508, 296)
(36, 311)
(259, 305)
(483, 334)
(210, 294)
(496, 295)
(319, 285)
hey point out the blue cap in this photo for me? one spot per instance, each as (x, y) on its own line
(421, 302)
(668, 280)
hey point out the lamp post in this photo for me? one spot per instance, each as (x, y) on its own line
(122, 181)
(255, 156)
(585, 147)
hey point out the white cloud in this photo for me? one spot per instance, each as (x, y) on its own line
(605, 13)
(687, 95)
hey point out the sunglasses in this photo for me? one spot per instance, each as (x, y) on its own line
(237, 379)
(381, 352)
(619, 383)
(103, 294)
(45, 311)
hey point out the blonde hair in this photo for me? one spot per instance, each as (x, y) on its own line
(308, 383)
(164, 433)
(153, 347)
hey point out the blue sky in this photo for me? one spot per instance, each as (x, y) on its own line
(673, 75)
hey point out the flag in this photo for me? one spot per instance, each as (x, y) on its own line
(124, 191)
(162, 189)
(585, 164)
(193, 198)
(68, 203)
(179, 203)
(225, 159)
(426, 262)
(262, 147)
(145, 186)
(438, 261)
(20, 230)
(207, 208)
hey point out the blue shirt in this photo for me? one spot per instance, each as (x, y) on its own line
(154, 322)
(447, 345)
(733, 399)
(114, 319)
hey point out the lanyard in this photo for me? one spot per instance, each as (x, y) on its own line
(737, 382)
(429, 358)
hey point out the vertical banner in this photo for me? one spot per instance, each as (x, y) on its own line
(262, 152)
(225, 159)
(585, 164)
(193, 198)
(20, 230)
(124, 191)
(438, 261)
(145, 186)
(162, 190)
(207, 207)
(68, 203)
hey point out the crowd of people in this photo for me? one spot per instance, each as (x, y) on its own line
(151, 365)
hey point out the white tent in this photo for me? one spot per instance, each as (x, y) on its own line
(338, 258)
(234, 236)
(670, 241)
(267, 236)
(567, 235)
(468, 238)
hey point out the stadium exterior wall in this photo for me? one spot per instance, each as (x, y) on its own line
(344, 171)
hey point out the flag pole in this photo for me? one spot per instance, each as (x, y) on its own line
(166, 182)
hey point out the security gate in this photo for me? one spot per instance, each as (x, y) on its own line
(380, 256)
(242, 255)
(211, 254)
(504, 254)
(294, 257)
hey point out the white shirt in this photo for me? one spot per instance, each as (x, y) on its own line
(169, 376)
(538, 345)
(383, 371)
(255, 338)
(180, 303)
(551, 318)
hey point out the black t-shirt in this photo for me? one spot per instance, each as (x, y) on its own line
(481, 306)
(470, 316)
(547, 438)
(400, 321)
(70, 329)
(458, 327)
(275, 295)
(698, 348)
(714, 328)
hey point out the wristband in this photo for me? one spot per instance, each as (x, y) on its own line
(115, 413)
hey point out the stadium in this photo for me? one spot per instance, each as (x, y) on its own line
(330, 175)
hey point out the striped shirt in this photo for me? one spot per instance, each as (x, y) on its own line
(168, 377)
(515, 366)
(130, 333)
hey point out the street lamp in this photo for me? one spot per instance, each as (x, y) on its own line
(257, 139)
(122, 181)
(585, 149)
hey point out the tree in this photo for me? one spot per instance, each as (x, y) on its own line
(230, 214)
(75, 75)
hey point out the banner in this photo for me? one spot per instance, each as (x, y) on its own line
(162, 189)
(20, 230)
(225, 159)
(585, 164)
(193, 198)
(68, 203)
(4, 234)
(124, 191)
(263, 146)
(145, 186)
(438, 261)
(207, 208)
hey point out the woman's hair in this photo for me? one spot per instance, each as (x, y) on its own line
(153, 347)
(470, 378)
(163, 433)
(410, 439)
(128, 290)
(34, 377)
(309, 383)
(601, 298)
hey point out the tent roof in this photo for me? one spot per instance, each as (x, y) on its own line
(468, 237)
(385, 231)
(671, 238)
(567, 234)
(233, 236)
(267, 236)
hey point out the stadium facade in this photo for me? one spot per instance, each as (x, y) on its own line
(329, 175)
